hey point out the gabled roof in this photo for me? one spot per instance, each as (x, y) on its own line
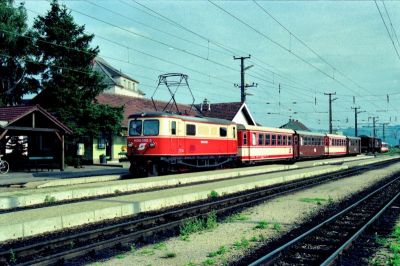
(135, 105)
(221, 110)
(113, 73)
(295, 125)
(226, 111)
(11, 114)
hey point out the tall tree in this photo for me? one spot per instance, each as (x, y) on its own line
(70, 85)
(16, 67)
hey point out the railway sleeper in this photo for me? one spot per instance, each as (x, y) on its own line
(314, 250)
(299, 258)
(325, 241)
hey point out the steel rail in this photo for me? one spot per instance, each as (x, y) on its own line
(71, 253)
(334, 256)
(270, 256)
(251, 198)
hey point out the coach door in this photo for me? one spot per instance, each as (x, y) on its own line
(295, 146)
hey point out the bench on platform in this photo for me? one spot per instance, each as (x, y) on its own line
(41, 162)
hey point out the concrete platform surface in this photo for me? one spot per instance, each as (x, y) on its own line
(52, 218)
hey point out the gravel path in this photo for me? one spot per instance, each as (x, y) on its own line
(247, 229)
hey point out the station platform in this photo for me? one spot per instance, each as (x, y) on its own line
(76, 188)
(36, 221)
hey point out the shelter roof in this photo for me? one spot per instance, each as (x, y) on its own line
(11, 114)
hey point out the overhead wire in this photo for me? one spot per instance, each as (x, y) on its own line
(384, 23)
(281, 46)
(231, 69)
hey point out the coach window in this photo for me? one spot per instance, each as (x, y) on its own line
(135, 128)
(151, 127)
(173, 128)
(273, 140)
(267, 139)
(284, 140)
(234, 132)
(253, 139)
(289, 140)
(260, 139)
(279, 140)
(190, 130)
(244, 138)
(222, 131)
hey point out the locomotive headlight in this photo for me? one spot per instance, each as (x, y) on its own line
(130, 144)
(152, 144)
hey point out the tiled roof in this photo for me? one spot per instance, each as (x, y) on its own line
(221, 110)
(295, 125)
(11, 114)
(137, 105)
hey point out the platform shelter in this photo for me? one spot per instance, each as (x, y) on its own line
(41, 133)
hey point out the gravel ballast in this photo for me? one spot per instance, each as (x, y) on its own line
(249, 228)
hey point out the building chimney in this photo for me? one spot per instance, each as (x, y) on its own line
(205, 106)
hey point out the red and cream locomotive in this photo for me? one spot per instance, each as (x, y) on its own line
(160, 142)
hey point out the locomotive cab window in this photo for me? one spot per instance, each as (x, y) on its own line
(151, 127)
(135, 128)
(190, 130)
(173, 128)
(222, 131)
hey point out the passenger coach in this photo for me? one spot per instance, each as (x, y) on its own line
(353, 145)
(260, 144)
(160, 142)
(335, 145)
(310, 145)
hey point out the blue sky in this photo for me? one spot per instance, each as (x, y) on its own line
(355, 57)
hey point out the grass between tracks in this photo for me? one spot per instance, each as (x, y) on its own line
(390, 255)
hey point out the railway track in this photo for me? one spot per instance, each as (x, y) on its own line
(113, 194)
(59, 247)
(325, 243)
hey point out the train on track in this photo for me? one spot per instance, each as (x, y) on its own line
(160, 143)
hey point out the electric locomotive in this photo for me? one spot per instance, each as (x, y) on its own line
(163, 142)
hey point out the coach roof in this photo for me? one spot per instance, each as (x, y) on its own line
(271, 129)
(309, 133)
